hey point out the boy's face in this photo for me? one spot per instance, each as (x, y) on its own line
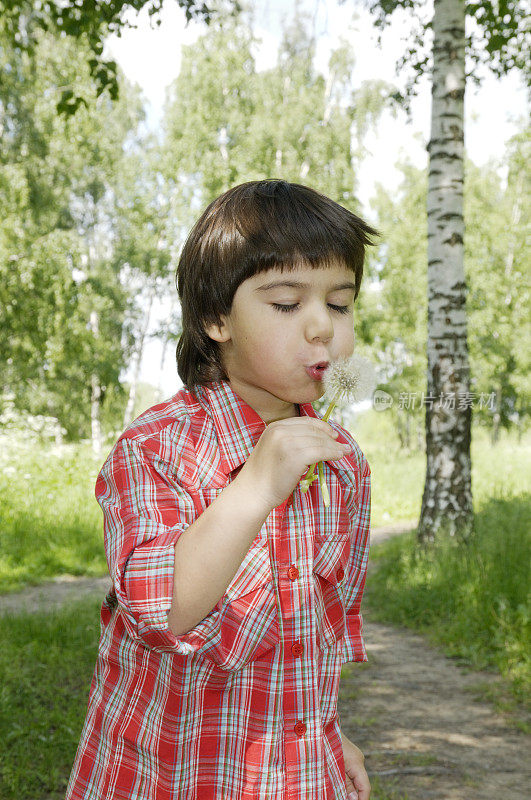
(266, 350)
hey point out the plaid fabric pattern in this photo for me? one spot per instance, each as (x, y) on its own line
(244, 705)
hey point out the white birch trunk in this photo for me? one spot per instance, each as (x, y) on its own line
(128, 414)
(515, 219)
(495, 433)
(160, 389)
(94, 323)
(447, 498)
(328, 97)
(95, 395)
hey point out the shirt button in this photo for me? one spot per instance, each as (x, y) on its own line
(340, 574)
(300, 728)
(293, 573)
(297, 649)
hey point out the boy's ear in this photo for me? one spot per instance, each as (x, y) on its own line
(219, 333)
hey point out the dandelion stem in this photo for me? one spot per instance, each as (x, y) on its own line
(324, 487)
(310, 476)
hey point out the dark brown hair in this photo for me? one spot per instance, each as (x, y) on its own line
(253, 227)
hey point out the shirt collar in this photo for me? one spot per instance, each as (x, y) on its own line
(239, 427)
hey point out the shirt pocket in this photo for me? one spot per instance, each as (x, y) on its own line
(331, 555)
(248, 616)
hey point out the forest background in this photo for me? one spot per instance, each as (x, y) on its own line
(97, 192)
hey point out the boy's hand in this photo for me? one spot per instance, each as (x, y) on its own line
(356, 778)
(283, 454)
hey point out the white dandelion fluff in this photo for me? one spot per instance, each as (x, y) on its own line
(349, 380)
(346, 380)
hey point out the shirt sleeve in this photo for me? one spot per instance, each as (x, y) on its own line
(145, 510)
(354, 646)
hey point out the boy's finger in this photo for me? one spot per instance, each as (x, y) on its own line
(363, 791)
(362, 786)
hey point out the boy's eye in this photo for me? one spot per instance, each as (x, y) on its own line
(287, 309)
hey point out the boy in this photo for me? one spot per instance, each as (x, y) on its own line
(236, 597)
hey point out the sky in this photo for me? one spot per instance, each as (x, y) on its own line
(151, 57)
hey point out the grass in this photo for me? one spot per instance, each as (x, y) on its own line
(388, 789)
(46, 663)
(50, 522)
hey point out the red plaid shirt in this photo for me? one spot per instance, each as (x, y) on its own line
(244, 705)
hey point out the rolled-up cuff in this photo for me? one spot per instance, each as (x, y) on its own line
(144, 589)
(353, 644)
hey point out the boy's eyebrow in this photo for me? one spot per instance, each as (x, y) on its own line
(300, 285)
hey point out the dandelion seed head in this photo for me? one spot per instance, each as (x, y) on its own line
(349, 379)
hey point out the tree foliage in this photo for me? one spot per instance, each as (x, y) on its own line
(225, 122)
(88, 23)
(498, 303)
(62, 297)
(396, 317)
(94, 213)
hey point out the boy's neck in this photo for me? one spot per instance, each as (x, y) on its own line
(263, 406)
(296, 413)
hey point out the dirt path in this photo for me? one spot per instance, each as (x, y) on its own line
(412, 711)
(415, 716)
(53, 594)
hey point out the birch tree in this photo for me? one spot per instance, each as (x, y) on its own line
(447, 497)
(497, 39)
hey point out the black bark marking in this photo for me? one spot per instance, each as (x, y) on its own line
(451, 215)
(454, 239)
(447, 156)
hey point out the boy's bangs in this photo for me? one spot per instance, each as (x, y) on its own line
(284, 248)
(282, 226)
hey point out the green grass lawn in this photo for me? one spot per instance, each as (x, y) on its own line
(50, 522)
(46, 665)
